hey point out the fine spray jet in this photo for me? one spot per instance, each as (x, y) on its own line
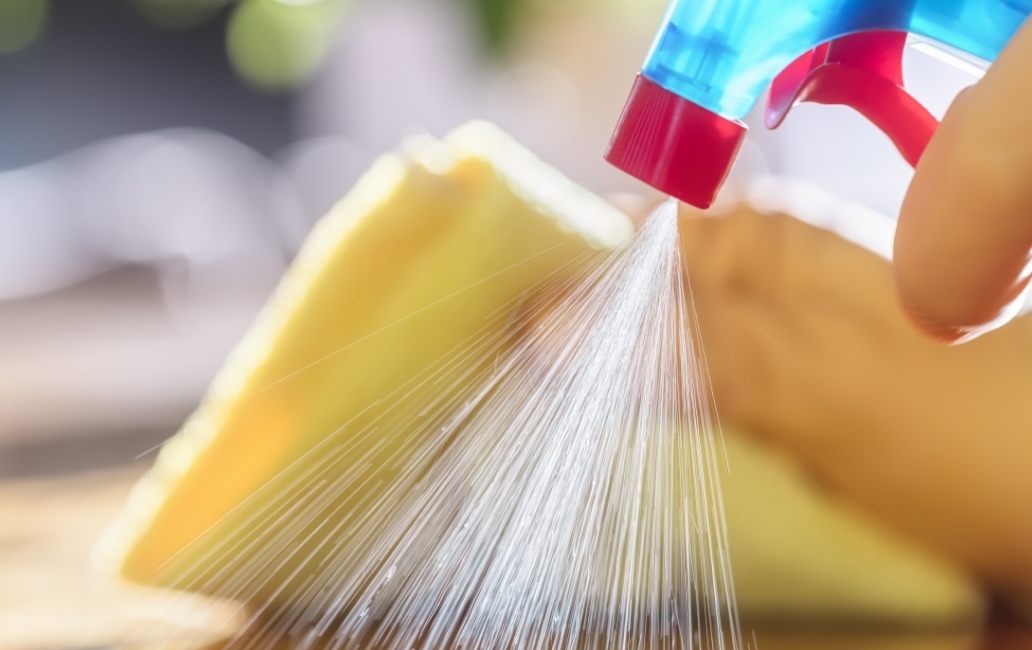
(712, 59)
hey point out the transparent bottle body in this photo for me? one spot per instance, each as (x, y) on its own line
(722, 54)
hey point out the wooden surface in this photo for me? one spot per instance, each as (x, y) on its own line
(50, 599)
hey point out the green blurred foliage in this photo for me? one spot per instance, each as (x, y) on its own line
(275, 45)
(21, 22)
(497, 20)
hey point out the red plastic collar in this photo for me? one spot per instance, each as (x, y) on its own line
(674, 145)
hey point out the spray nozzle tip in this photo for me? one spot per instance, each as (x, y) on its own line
(674, 145)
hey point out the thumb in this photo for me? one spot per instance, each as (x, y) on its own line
(964, 237)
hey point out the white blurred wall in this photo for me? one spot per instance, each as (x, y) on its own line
(401, 66)
(127, 271)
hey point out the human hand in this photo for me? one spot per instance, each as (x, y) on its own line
(807, 346)
(962, 250)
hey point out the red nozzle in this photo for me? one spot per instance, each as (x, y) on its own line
(674, 145)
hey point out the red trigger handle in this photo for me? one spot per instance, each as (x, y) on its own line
(863, 71)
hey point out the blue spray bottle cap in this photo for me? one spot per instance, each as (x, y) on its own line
(712, 60)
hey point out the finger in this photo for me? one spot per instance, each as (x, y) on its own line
(734, 252)
(780, 260)
(727, 257)
(780, 305)
(965, 228)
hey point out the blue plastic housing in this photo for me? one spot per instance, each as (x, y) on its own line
(722, 54)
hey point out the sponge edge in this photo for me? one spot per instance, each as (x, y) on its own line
(543, 187)
(179, 453)
(798, 553)
(430, 242)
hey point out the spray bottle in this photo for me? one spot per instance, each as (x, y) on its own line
(712, 59)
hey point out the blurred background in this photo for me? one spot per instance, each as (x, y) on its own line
(162, 160)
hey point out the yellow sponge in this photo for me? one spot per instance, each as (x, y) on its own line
(428, 254)
(798, 554)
